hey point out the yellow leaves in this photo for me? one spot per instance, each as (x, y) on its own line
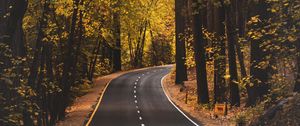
(292, 38)
(227, 77)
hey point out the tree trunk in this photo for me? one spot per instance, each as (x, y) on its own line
(117, 62)
(259, 75)
(297, 82)
(232, 40)
(68, 64)
(241, 26)
(220, 55)
(181, 74)
(200, 59)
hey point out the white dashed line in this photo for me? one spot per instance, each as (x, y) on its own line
(135, 101)
(137, 80)
(134, 87)
(136, 107)
(142, 124)
(134, 91)
(140, 118)
(135, 83)
(139, 77)
(138, 112)
(134, 96)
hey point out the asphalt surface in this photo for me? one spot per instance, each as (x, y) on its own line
(137, 99)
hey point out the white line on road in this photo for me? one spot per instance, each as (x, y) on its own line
(139, 77)
(135, 101)
(135, 83)
(138, 112)
(134, 96)
(161, 81)
(142, 124)
(136, 107)
(134, 91)
(134, 87)
(140, 118)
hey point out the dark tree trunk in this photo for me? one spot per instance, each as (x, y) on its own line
(241, 26)
(117, 62)
(220, 55)
(68, 64)
(297, 82)
(181, 70)
(259, 75)
(232, 40)
(200, 59)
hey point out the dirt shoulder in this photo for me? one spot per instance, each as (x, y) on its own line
(200, 115)
(83, 106)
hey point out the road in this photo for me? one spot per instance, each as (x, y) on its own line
(138, 99)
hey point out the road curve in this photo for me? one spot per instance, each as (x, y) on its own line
(137, 99)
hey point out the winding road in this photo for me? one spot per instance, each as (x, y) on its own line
(138, 99)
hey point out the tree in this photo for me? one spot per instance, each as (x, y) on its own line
(220, 54)
(68, 64)
(297, 82)
(181, 74)
(232, 40)
(200, 58)
(258, 72)
(117, 62)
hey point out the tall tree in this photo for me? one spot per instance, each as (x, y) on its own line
(117, 62)
(297, 81)
(258, 73)
(68, 63)
(181, 70)
(200, 58)
(220, 54)
(232, 40)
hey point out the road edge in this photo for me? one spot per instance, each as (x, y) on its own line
(98, 104)
(162, 85)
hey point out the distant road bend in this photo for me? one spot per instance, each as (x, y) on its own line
(138, 99)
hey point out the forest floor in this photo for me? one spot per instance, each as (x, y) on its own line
(283, 112)
(203, 114)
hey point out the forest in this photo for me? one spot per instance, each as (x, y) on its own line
(243, 53)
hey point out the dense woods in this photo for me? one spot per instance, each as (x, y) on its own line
(248, 47)
(52, 50)
(245, 53)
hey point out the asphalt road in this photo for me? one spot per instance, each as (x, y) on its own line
(137, 99)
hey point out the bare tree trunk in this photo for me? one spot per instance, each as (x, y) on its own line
(232, 40)
(68, 64)
(220, 55)
(181, 74)
(200, 59)
(117, 62)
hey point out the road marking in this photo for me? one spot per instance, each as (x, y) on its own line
(138, 112)
(135, 83)
(161, 82)
(134, 91)
(139, 77)
(137, 80)
(136, 107)
(142, 124)
(135, 87)
(134, 96)
(140, 118)
(135, 101)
